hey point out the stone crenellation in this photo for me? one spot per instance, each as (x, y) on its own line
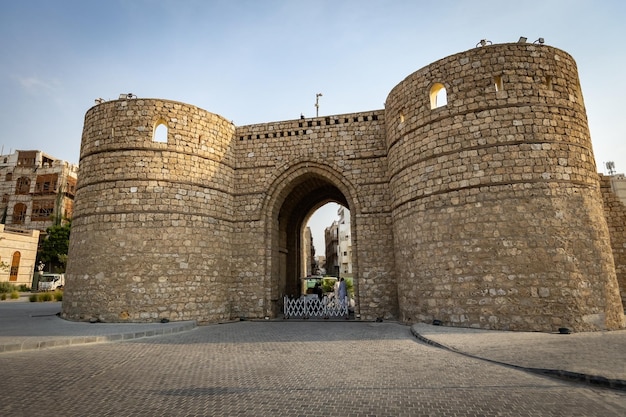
(473, 196)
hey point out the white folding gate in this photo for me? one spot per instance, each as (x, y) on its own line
(310, 306)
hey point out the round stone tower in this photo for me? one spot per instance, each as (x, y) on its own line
(152, 222)
(498, 219)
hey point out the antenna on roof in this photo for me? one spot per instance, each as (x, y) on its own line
(610, 166)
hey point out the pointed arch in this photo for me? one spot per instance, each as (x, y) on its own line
(290, 201)
(22, 186)
(438, 96)
(160, 131)
(15, 266)
(19, 213)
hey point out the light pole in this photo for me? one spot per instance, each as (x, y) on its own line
(317, 104)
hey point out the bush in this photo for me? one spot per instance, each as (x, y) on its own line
(6, 287)
(328, 285)
(58, 295)
(23, 288)
(33, 298)
(3, 296)
(15, 295)
(45, 296)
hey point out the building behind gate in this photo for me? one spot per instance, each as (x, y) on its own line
(473, 195)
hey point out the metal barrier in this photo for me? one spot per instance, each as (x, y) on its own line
(311, 306)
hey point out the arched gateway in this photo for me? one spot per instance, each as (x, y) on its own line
(484, 211)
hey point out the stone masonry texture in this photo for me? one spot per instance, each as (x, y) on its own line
(615, 213)
(485, 211)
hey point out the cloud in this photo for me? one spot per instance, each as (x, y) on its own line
(35, 85)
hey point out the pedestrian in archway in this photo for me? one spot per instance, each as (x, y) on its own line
(318, 290)
(343, 293)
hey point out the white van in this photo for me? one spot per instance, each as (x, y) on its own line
(51, 282)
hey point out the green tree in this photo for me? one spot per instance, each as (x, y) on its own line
(55, 246)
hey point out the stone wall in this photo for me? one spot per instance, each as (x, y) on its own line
(483, 210)
(288, 167)
(615, 213)
(497, 217)
(152, 224)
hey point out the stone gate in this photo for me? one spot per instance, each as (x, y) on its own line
(473, 195)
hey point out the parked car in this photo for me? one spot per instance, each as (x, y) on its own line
(51, 282)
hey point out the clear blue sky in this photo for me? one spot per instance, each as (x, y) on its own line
(255, 61)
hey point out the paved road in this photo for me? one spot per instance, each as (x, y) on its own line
(283, 369)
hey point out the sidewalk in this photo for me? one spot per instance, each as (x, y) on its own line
(28, 326)
(596, 358)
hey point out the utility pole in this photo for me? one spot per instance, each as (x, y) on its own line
(317, 104)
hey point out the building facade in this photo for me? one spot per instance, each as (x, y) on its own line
(618, 186)
(344, 246)
(308, 252)
(331, 241)
(37, 192)
(474, 200)
(18, 253)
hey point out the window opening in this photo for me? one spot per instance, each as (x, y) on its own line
(22, 186)
(46, 184)
(497, 82)
(438, 96)
(42, 210)
(15, 266)
(19, 213)
(160, 132)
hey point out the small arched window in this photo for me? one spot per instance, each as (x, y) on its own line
(22, 186)
(160, 132)
(15, 266)
(19, 213)
(9, 176)
(497, 83)
(438, 96)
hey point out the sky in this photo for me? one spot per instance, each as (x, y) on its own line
(257, 61)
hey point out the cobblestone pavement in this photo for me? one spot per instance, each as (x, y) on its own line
(283, 369)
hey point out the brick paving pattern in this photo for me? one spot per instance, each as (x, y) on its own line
(283, 369)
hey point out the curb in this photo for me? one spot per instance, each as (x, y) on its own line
(81, 340)
(593, 380)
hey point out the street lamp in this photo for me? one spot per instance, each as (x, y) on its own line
(317, 104)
